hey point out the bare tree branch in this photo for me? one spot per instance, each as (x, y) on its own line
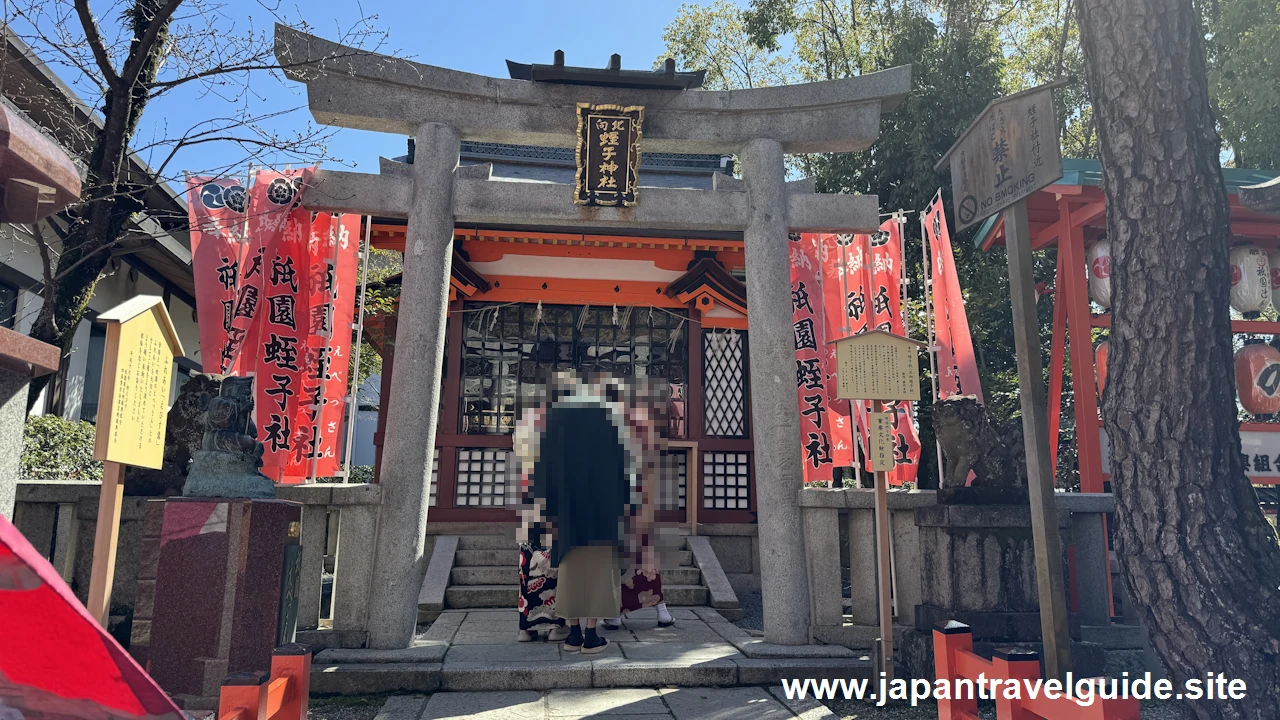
(46, 264)
(147, 43)
(90, 27)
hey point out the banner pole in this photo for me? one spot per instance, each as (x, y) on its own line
(352, 399)
(929, 322)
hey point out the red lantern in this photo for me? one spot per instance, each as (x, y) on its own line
(1100, 362)
(1258, 378)
(1250, 280)
(1099, 257)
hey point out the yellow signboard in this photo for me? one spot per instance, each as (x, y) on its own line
(877, 365)
(137, 373)
(881, 454)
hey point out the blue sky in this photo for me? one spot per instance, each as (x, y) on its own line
(476, 36)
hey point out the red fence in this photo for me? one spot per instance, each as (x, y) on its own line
(282, 695)
(954, 659)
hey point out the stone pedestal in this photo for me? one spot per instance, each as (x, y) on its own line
(21, 359)
(978, 567)
(217, 591)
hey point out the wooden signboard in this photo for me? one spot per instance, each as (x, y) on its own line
(133, 402)
(1009, 152)
(608, 154)
(881, 451)
(878, 365)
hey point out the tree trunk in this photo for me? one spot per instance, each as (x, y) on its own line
(1199, 556)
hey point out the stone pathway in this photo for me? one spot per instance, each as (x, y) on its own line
(477, 650)
(701, 703)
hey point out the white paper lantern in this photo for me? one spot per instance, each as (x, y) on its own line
(1099, 256)
(1250, 280)
(1273, 260)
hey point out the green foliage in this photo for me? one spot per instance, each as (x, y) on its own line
(713, 38)
(958, 66)
(1243, 47)
(57, 450)
(370, 364)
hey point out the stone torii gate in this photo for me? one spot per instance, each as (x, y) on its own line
(439, 108)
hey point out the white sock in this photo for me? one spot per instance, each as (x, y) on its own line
(663, 615)
(614, 621)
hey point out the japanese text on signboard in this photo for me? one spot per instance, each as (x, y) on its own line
(1009, 152)
(608, 154)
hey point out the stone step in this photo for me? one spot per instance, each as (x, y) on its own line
(481, 596)
(504, 557)
(499, 575)
(505, 596)
(685, 595)
(492, 558)
(486, 542)
(682, 575)
(484, 575)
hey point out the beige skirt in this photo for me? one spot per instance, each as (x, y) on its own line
(587, 583)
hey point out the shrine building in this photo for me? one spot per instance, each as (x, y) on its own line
(644, 304)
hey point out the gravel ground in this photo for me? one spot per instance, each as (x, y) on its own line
(752, 611)
(357, 707)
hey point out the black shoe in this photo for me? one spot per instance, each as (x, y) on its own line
(611, 626)
(594, 643)
(573, 643)
(667, 624)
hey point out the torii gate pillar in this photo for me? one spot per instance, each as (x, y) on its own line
(400, 562)
(784, 581)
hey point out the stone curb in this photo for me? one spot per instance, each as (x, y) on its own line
(612, 672)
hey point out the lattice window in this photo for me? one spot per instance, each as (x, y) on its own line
(435, 476)
(724, 381)
(482, 477)
(674, 480)
(508, 346)
(726, 481)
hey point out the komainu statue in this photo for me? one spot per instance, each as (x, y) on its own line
(970, 443)
(230, 455)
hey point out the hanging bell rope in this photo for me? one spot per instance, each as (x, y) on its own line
(537, 315)
(582, 318)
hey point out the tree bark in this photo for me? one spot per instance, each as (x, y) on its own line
(1201, 560)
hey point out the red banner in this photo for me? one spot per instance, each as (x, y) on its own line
(216, 211)
(332, 249)
(272, 196)
(957, 368)
(862, 287)
(280, 351)
(825, 433)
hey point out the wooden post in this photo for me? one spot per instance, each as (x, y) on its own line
(883, 562)
(137, 376)
(1044, 515)
(104, 541)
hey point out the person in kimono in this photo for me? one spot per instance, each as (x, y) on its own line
(645, 410)
(581, 497)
